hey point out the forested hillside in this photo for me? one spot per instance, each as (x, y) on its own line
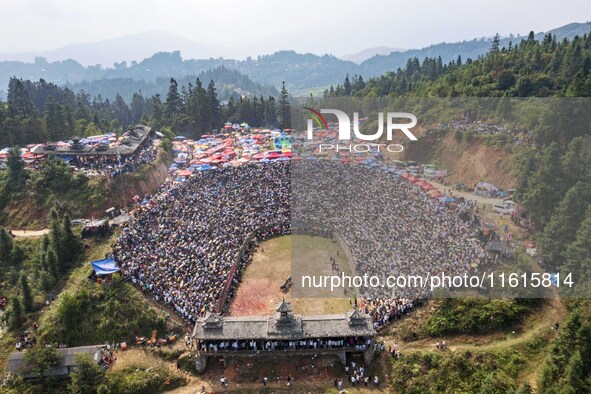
(529, 68)
(553, 172)
(41, 111)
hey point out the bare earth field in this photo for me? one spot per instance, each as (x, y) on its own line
(259, 293)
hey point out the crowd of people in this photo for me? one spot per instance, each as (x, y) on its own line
(516, 136)
(357, 343)
(390, 226)
(112, 166)
(189, 244)
(26, 340)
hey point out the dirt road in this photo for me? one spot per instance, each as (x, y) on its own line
(30, 233)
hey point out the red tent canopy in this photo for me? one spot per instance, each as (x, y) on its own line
(287, 154)
(428, 186)
(406, 175)
(31, 156)
(185, 173)
(273, 155)
(259, 156)
(413, 179)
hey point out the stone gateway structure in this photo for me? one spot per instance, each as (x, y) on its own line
(283, 334)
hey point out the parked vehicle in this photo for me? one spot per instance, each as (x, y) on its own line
(502, 209)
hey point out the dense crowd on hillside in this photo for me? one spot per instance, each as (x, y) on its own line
(515, 136)
(183, 245)
(390, 226)
(189, 244)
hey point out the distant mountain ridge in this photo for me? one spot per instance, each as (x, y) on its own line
(128, 48)
(361, 56)
(301, 72)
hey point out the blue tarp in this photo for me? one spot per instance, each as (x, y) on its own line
(446, 199)
(67, 159)
(105, 266)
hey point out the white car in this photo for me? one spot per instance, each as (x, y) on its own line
(501, 209)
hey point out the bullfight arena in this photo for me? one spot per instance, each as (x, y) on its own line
(260, 289)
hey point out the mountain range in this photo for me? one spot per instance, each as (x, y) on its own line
(301, 72)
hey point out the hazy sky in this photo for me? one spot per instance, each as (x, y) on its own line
(330, 26)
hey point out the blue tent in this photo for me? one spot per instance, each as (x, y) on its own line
(446, 199)
(67, 159)
(205, 167)
(105, 266)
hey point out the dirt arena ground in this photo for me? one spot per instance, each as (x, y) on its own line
(259, 292)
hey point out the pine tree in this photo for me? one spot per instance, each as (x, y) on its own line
(26, 294)
(5, 249)
(17, 175)
(271, 113)
(574, 374)
(577, 257)
(545, 187)
(52, 263)
(347, 86)
(15, 319)
(284, 108)
(70, 243)
(561, 229)
(86, 377)
(157, 111)
(19, 103)
(216, 116)
(173, 100)
(56, 237)
(137, 107)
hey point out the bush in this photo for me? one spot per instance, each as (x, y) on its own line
(99, 313)
(474, 315)
(141, 381)
(458, 135)
(465, 372)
